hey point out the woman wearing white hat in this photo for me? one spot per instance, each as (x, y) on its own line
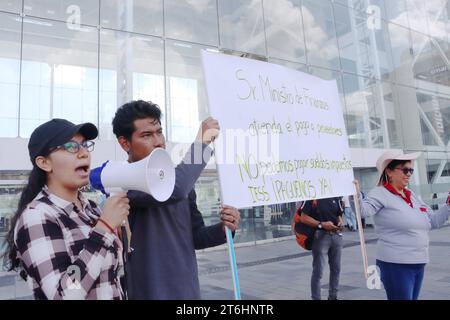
(402, 222)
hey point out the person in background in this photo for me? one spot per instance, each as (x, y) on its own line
(403, 222)
(350, 217)
(326, 216)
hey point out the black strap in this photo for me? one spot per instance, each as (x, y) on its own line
(125, 260)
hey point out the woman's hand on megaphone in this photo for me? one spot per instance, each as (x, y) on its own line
(208, 131)
(116, 209)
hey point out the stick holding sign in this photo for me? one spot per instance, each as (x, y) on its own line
(357, 198)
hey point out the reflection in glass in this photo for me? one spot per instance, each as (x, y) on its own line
(241, 26)
(10, 26)
(417, 15)
(384, 65)
(192, 20)
(365, 112)
(186, 95)
(434, 110)
(320, 34)
(284, 30)
(14, 6)
(355, 46)
(74, 13)
(401, 54)
(391, 114)
(438, 12)
(397, 12)
(288, 64)
(59, 77)
(140, 16)
(131, 68)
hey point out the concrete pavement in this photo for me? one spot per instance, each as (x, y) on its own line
(282, 270)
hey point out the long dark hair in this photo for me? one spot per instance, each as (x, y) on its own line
(36, 181)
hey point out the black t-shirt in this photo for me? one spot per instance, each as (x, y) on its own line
(326, 210)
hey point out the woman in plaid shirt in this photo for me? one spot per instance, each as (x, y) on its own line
(66, 246)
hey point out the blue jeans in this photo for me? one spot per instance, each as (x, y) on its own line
(350, 218)
(326, 245)
(401, 281)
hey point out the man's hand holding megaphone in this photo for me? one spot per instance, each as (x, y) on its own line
(114, 212)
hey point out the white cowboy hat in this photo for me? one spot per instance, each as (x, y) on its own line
(389, 155)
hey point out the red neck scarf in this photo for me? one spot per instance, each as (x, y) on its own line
(407, 196)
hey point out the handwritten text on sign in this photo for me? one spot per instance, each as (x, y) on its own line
(283, 137)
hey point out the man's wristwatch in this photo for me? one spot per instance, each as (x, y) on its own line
(319, 226)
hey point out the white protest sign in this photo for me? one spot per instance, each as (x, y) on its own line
(283, 137)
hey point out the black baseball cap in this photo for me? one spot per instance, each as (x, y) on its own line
(56, 132)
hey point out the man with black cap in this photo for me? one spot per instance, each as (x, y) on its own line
(62, 241)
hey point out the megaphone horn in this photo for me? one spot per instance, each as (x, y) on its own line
(154, 175)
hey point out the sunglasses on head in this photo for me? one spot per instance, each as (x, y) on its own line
(406, 170)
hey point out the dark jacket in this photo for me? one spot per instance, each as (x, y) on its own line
(165, 235)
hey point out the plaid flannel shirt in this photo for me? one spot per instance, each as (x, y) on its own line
(64, 256)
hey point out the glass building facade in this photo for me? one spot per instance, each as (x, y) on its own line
(81, 59)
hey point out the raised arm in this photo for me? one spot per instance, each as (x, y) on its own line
(438, 217)
(188, 171)
(186, 174)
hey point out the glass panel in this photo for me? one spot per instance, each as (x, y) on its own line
(131, 67)
(417, 15)
(384, 64)
(320, 34)
(438, 174)
(289, 64)
(430, 63)
(10, 28)
(373, 8)
(186, 94)
(408, 112)
(73, 12)
(11, 6)
(433, 170)
(241, 26)
(365, 127)
(356, 47)
(284, 30)
(141, 16)
(437, 12)
(330, 75)
(396, 12)
(401, 54)
(192, 20)
(59, 74)
(274, 221)
(435, 112)
(207, 189)
(392, 115)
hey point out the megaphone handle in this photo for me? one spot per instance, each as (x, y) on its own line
(124, 232)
